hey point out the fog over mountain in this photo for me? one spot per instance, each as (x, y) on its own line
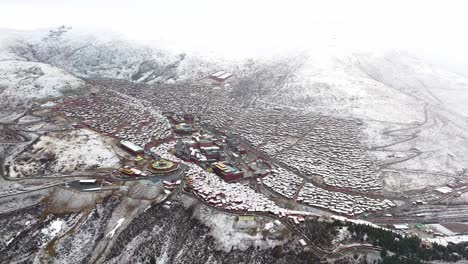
(233, 132)
(429, 29)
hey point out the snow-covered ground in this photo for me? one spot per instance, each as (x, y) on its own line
(406, 107)
(54, 228)
(449, 239)
(6, 41)
(112, 232)
(102, 54)
(230, 238)
(334, 85)
(441, 229)
(21, 79)
(65, 153)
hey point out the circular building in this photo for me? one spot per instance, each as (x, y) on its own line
(164, 166)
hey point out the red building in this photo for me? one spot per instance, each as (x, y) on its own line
(220, 76)
(227, 172)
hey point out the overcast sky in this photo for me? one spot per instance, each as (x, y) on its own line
(435, 30)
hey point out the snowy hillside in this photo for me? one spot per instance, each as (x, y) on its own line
(338, 87)
(105, 55)
(414, 115)
(8, 39)
(424, 82)
(23, 81)
(90, 151)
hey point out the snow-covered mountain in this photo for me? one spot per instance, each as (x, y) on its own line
(22, 81)
(102, 55)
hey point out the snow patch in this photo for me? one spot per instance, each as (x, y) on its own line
(78, 150)
(448, 239)
(54, 228)
(229, 238)
(112, 232)
(28, 80)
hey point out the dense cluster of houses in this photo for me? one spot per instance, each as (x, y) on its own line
(321, 146)
(272, 131)
(340, 202)
(229, 196)
(189, 99)
(283, 182)
(233, 196)
(215, 106)
(113, 115)
(288, 185)
(332, 151)
(241, 197)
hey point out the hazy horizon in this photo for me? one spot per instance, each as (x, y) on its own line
(429, 29)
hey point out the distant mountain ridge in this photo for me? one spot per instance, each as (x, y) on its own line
(101, 56)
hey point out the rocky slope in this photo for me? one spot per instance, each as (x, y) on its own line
(174, 235)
